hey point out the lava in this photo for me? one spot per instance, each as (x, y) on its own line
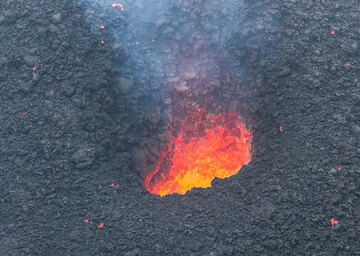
(334, 221)
(206, 147)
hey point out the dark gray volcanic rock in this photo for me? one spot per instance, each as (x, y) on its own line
(67, 134)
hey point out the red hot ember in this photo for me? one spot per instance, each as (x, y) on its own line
(101, 226)
(281, 128)
(333, 32)
(334, 221)
(36, 68)
(103, 43)
(120, 6)
(114, 185)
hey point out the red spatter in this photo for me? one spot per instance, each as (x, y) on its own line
(86, 221)
(339, 168)
(23, 114)
(36, 68)
(334, 221)
(114, 185)
(101, 226)
(347, 65)
(281, 128)
(120, 6)
(333, 32)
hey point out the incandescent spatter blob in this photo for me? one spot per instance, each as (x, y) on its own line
(217, 147)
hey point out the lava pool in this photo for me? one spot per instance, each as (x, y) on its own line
(215, 147)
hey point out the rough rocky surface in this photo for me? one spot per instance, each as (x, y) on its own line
(73, 118)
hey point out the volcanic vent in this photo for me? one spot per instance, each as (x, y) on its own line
(185, 88)
(206, 147)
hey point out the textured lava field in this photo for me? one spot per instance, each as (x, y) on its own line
(77, 125)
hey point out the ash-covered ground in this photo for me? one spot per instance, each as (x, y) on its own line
(82, 110)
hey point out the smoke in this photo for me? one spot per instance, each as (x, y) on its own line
(162, 41)
(172, 58)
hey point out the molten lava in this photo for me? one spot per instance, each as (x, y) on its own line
(205, 148)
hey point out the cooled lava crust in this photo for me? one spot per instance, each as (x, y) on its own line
(69, 185)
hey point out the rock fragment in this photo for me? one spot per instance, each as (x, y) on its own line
(83, 157)
(57, 18)
(182, 87)
(2, 19)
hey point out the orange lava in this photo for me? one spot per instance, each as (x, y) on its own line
(204, 149)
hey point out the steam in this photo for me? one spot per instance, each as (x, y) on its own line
(173, 58)
(165, 41)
